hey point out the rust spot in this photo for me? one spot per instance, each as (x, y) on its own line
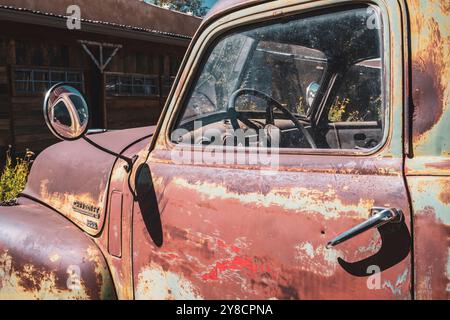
(428, 86)
(20, 279)
(445, 6)
(32, 275)
(444, 164)
(178, 233)
(289, 293)
(444, 196)
(431, 255)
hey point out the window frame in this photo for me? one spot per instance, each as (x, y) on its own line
(132, 75)
(49, 71)
(240, 19)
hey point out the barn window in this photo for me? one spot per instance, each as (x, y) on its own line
(125, 84)
(39, 80)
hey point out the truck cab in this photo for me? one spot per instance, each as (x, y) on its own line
(303, 153)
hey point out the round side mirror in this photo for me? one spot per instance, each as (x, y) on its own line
(66, 112)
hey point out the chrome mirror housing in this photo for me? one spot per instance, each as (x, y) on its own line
(66, 112)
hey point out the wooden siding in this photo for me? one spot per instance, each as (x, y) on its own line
(124, 112)
(5, 136)
(21, 119)
(30, 130)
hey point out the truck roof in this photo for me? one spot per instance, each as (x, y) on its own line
(223, 6)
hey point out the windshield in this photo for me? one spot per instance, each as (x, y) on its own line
(220, 75)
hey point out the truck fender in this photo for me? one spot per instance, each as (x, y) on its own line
(43, 255)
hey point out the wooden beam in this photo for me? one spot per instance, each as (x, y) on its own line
(11, 60)
(100, 63)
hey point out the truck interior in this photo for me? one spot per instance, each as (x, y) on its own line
(308, 81)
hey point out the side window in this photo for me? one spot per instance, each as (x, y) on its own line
(356, 114)
(312, 81)
(284, 71)
(358, 98)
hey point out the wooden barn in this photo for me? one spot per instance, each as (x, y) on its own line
(122, 54)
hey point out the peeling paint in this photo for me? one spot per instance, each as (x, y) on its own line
(45, 256)
(55, 257)
(319, 260)
(24, 285)
(64, 204)
(397, 288)
(432, 229)
(299, 199)
(157, 284)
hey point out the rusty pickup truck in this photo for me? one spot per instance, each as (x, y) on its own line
(303, 153)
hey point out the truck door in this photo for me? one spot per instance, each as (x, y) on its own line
(245, 190)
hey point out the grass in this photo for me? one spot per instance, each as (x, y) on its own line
(338, 110)
(14, 177)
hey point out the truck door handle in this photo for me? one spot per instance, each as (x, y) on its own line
(379, 217)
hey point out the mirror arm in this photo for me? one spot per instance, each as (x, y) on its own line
(130, 161)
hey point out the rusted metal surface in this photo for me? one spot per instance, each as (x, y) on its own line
(45, 256)
(430, 48)
(431, 205)
(73, 177)
(428, 172)
(236, 232)
(99, 175)
(224, 6)
(242, 234)
(241, 231)
(121, 267)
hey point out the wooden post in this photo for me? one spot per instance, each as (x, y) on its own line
(11, 52)
(103, 101)
(10, 61)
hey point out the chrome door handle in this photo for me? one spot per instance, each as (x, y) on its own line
(379, 217)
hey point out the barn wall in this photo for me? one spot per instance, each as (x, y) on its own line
(29, 46)
(154, 60)
(5, 138)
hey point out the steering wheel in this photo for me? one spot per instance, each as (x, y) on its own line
(271, 105)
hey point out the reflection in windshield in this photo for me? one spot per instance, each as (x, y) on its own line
(61, 115)
(80, 107)
(220, 76)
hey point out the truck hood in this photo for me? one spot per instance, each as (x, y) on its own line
(73, 177)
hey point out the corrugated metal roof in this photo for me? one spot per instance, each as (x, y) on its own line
(187, 24)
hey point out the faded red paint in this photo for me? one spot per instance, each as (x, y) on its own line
(231, 232)
(428, 171)
(204, 214)
(53, 180)
(235, 264)
(430, 66)
(431, 268)
(39, 247)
